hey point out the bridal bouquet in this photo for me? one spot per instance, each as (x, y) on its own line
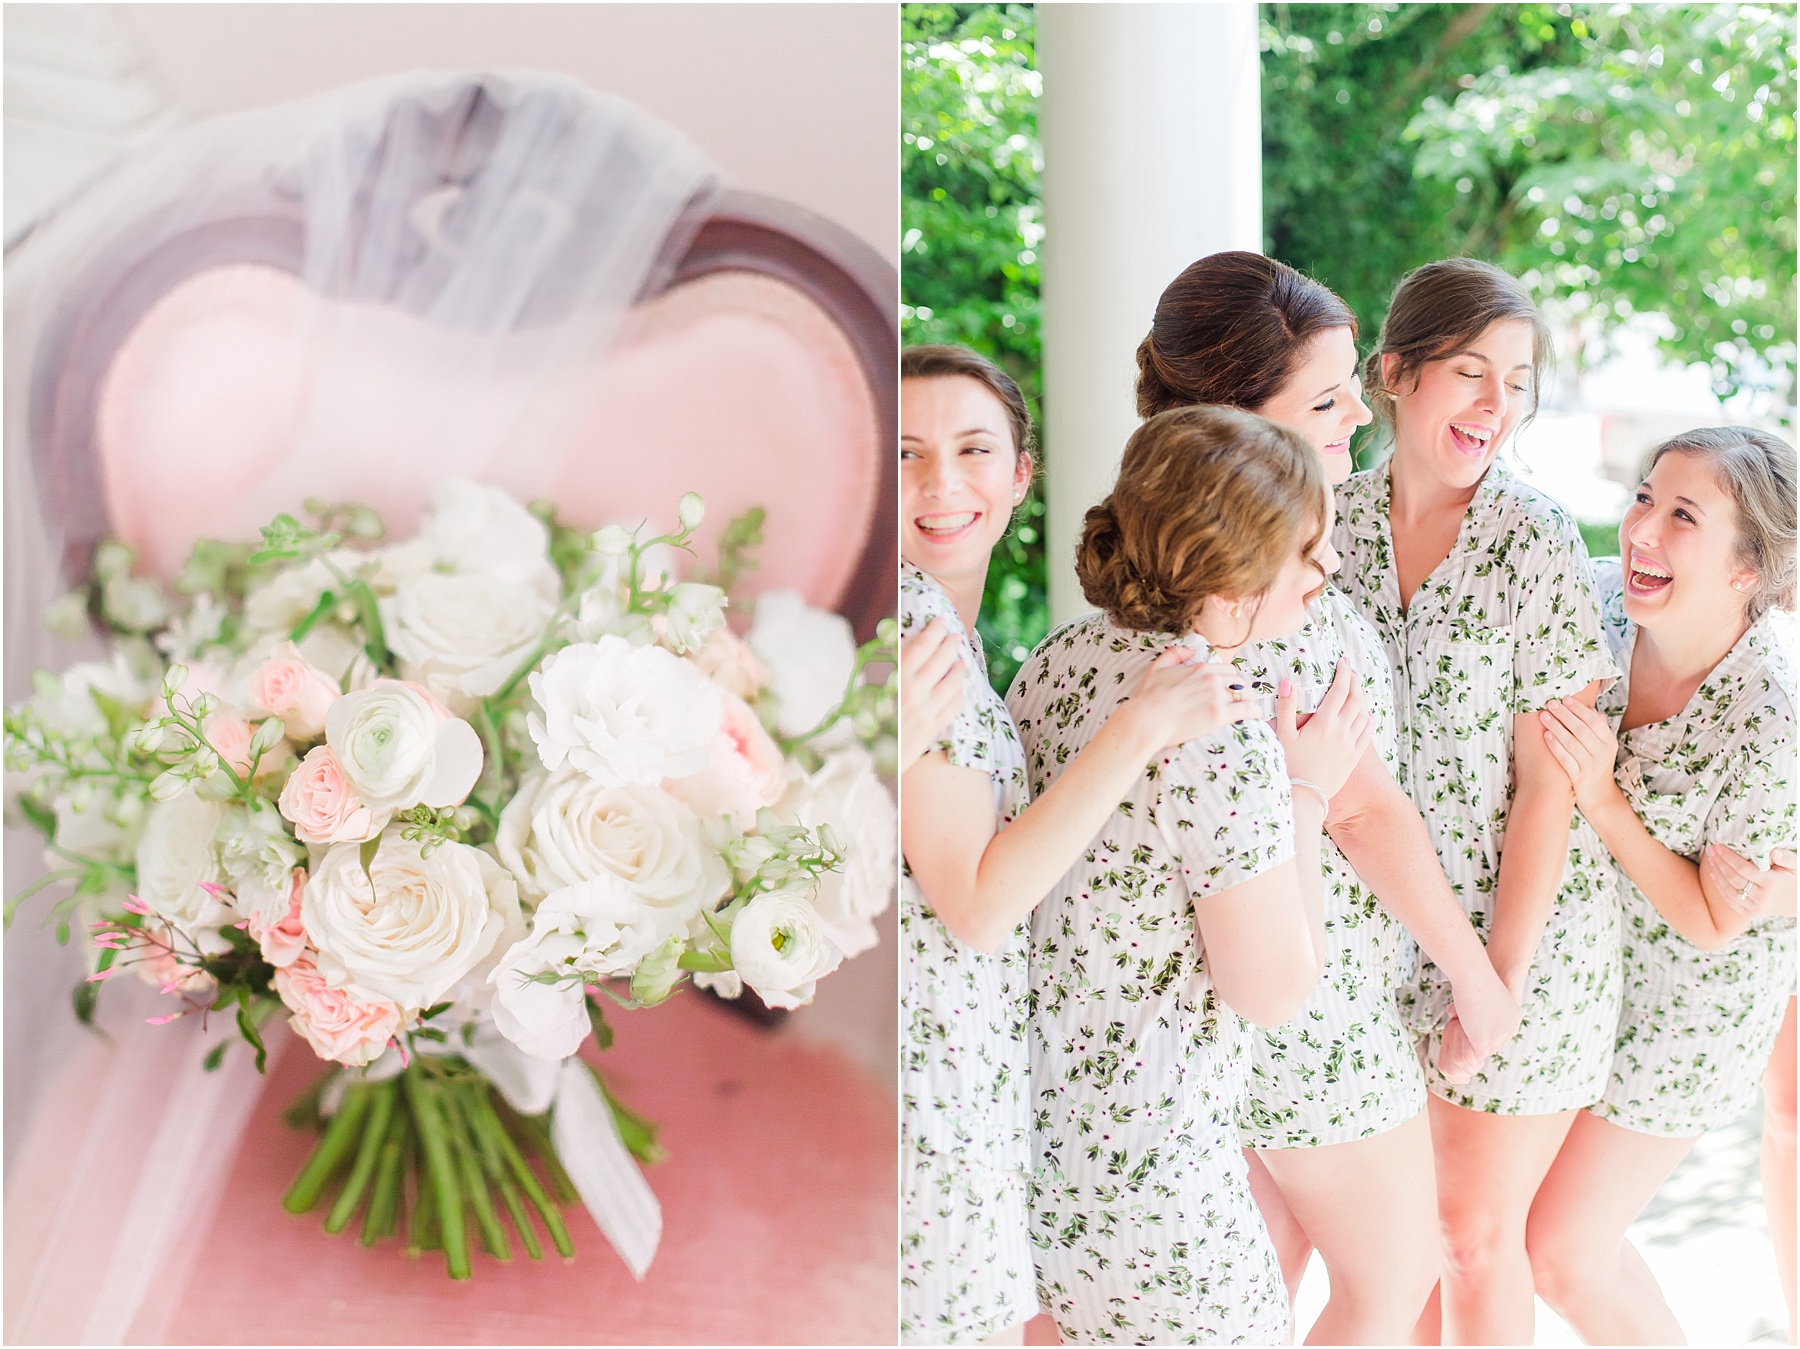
(435, 801)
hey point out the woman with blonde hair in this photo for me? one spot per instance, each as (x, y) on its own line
(1335, 1129)
(1195, 905)
(1686, 770)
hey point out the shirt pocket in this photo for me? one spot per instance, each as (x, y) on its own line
(1468, 674)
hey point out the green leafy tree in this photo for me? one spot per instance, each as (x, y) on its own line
(970, 215)
(1620, 158)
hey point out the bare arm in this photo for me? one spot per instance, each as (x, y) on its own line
(981, 883)
(1687, 895)
(1264, 937)
(1535, 851)
(1381, 834)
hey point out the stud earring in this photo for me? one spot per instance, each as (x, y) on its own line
(1237, 611)
(1737, 585)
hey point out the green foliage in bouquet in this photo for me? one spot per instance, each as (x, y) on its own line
(432, 1153)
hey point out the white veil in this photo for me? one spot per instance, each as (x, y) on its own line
(483, 234)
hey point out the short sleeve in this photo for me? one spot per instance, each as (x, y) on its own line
(1559, 642)
(1754, 812)
(1225, 809)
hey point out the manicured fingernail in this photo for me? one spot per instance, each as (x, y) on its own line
(1236, 688)
(1287, 688)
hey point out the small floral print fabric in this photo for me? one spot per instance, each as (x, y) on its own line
(1141, 1210)
(1697, 1026)
(966, 1267)
(1505, 623)
(1344, 1067)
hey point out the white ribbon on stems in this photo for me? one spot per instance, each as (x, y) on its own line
(582, 1127)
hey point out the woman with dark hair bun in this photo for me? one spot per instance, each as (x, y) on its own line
(1686, 770)
(1479, 589)
(1334, 1128)
(977, 857)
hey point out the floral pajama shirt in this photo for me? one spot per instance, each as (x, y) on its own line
(1344, 1067)
(965, 1255)
(1141, 1210)
(1697, 1026)
(1506, 623)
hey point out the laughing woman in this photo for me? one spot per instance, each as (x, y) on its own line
(1478, 587)
(1689, 755)
(1336, 1111)
(977, 858)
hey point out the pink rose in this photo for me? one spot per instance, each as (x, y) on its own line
(287, 686)
(230, 734)
(729, 662)
(338, 1029)
(322, 805)
(744, 769)
(282, 942)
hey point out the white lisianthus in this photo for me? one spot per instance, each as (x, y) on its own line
(596, 927)
(809, 654)
(623, 714)
(461, 636)
(398, 749)
(258, 856)
(563, 828)
(285, 601)
(779, 949)
(695, 612)
(176, 860)
(411, 927)
(846, 795)
(471, 529)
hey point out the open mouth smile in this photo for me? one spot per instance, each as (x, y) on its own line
(1470, 439)
(1645, 577)
(942, 528)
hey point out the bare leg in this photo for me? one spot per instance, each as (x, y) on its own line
(1368, 1206)
(1778, 1157)
(1488, 1169)
(1292, 1247)
(1429, 1328)
(1012, 1335)
(1584, 1266)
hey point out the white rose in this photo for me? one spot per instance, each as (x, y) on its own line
(623, 714)
(810, 655)
(100, 822)
(779, 949)
(176, 860)
(258, 856)
(847, 795)
(397, 749)
(409, 929)
(461, 636)
(563, 828)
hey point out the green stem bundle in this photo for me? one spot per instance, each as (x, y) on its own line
(435, 1158)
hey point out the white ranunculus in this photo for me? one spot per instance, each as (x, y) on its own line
(398, 750)
(462, 636)
(623, 714)
(846, 794)
(177, 858)
(779, 949)
(258, 856)
(471, 529)
(411, 927)
(291, 595)
(810, 655)
(563, 827)
(695, 612)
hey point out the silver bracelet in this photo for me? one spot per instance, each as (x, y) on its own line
(1315, 789)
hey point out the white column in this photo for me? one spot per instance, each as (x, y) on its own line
(1152, 134)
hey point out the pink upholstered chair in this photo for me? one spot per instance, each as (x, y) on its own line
(167, 395)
